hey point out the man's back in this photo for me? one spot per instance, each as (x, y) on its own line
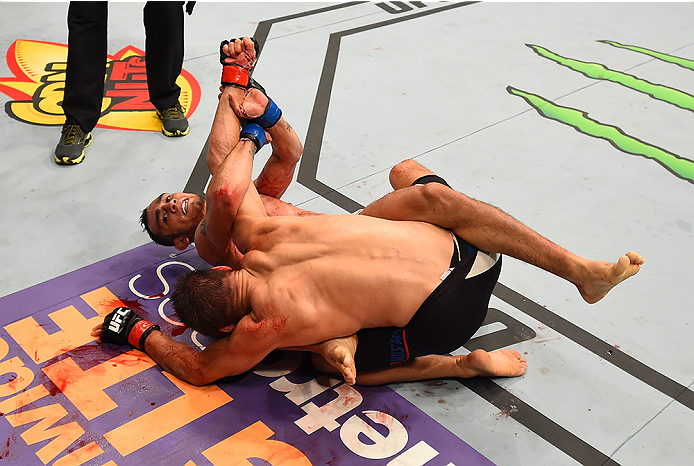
(333, 275)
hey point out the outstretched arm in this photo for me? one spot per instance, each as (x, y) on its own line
(224, 133)
(238, 58)
(223, 358)
(195, 367)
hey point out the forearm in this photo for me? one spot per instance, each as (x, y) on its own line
(123, 327)
(224, 133)
(278, 171)
(177, 358)
(234, 173)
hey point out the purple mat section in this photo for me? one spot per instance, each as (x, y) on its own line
(66, 400)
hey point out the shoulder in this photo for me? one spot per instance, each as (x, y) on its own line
(205, 248)
(255, 332)
(207, 251)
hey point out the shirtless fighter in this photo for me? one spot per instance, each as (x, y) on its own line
(172, 219)
(299, 286)
(380, 269)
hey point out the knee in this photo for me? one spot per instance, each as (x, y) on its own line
(405, 173)
(432, 197)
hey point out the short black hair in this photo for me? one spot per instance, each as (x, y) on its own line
(204, 301)
(163, 240)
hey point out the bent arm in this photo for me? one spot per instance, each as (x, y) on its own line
(224, 134)
(226, 192)
(278, 171)
(198, 368)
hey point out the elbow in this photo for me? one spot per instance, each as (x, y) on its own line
(288, 154)
(200, 381)
(199, 377)
(228, 196)
(296, 152)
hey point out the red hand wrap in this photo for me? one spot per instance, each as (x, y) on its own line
(235, 75)
(136, 333)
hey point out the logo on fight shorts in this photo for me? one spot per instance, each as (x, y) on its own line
(398, 347)
(39, 81)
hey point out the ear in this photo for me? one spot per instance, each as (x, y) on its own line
(221, 267)
(181, 243)
(228, 328)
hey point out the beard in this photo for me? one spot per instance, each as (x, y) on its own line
(196, 210)
(196, 207)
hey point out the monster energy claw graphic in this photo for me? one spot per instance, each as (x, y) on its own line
(683, 62)
(579, 120)
(598, 71)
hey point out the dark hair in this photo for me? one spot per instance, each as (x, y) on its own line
(204, 301)
(163, 240)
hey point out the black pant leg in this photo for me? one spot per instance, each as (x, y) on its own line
(86, 62)
(164, 51)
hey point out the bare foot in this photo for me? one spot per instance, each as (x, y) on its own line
(604, 276)
(500, 363)
(339, 353)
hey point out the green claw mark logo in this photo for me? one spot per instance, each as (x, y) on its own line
(683, 62)
(579, 120)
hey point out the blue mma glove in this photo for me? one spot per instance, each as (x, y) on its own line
(271, 116)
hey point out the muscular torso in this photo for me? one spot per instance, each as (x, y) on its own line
(231, 256)
(328, 276)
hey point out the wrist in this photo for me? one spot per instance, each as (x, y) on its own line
(234, 75)
(254, 133)
(271, 115)
(139, 333)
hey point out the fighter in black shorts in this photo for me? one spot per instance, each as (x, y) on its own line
(447, 319)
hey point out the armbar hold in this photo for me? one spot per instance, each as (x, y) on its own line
(255, 133)
(122, 326)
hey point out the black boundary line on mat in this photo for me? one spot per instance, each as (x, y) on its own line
(609, 353)
(308, 169)
(199, 176)
(523, 413)
(537, 422)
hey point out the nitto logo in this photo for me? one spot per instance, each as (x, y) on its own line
(39, 81)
